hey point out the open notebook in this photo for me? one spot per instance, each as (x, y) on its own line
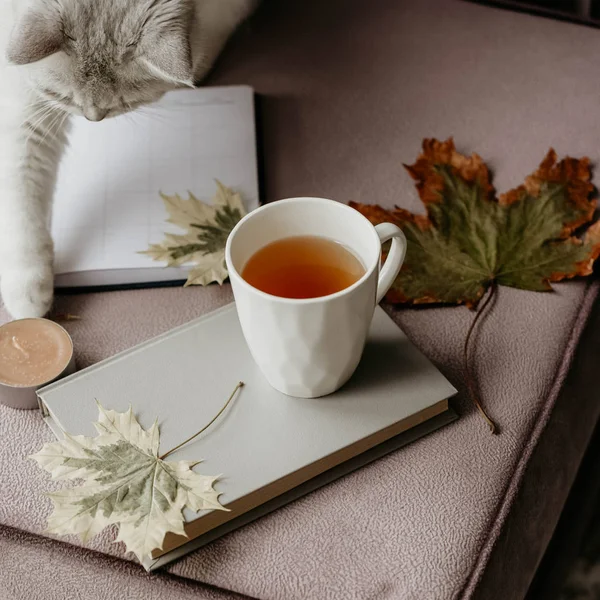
(107, 205)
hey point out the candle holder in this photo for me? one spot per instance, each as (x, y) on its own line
(33, 353)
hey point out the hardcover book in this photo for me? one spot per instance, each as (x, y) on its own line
(270, 448)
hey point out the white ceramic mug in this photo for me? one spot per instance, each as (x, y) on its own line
(311, 347)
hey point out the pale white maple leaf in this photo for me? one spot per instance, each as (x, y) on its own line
(182, 212)
(201, 495)
(210, 268)
(175, 249)
(207, 226)
(125, 482)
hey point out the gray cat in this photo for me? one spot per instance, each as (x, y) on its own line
(93, 58)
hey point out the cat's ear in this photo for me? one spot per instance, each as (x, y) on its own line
(35, 36)
(169, 56)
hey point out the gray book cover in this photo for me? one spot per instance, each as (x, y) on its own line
(270, 448)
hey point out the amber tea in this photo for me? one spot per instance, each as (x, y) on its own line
(303, 267)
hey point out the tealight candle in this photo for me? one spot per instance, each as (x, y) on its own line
(33, 353)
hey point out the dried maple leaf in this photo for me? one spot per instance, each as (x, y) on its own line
(203, 244)
(125, 481)
(469, 239)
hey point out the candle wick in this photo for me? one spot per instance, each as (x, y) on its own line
(19, 347)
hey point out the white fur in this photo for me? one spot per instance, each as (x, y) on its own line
(37, 98)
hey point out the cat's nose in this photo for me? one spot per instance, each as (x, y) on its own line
(93, 113)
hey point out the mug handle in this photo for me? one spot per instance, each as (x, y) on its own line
(395, 258)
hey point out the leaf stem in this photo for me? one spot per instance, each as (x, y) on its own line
(469, 377)
(65, 317)
(237, 387)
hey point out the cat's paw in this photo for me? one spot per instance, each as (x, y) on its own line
(28, 291)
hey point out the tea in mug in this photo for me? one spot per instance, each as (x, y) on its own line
(303, 267)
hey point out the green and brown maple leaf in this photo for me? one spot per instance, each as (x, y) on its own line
(470, 238)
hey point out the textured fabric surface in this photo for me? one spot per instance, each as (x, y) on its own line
(548, 467)
(35, 568)
(346, 95)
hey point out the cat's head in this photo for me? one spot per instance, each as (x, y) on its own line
(100, 58)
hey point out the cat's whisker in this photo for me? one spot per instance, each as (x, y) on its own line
(51, 131)
(41, 106)
(154, 114)
(129, 119)
(56, 105)
(48, 129)
(150, 116)
(33, 123)
(61, 125)
(50, 126)
(35, 114)
(37, 101)
(34, 127)
(37, 105)
(134, 115)
(161, 108)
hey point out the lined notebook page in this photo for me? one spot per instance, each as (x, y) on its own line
(107, 203)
